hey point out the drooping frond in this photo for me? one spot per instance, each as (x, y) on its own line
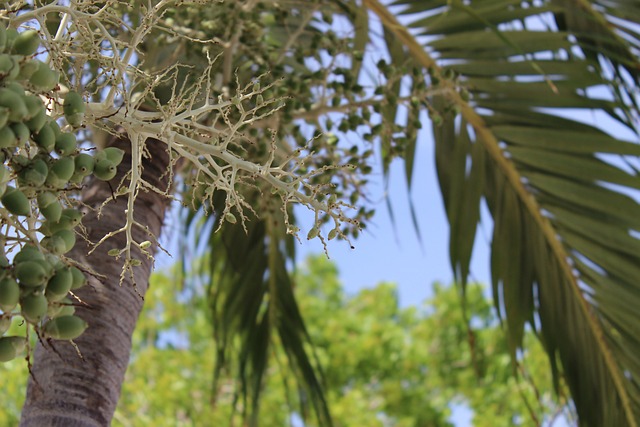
(563, 194)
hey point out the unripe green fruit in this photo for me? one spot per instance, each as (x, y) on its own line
(27, 43)
(74, 109)
(16, 202)
(7, 65)
(65, 328)
(55, 261)
(53, 310)
(30, 274)
(55, 127)
(66, 144)
(34, 307)
(27, 68)
(44, 78)
(54, 244)
(69, 238)
(104, 170)
(8, 138)
(34, 105)
(113, 154)
(84, 164)
(49, 206)
(10, 347)
(46, 137)
(16, 87)
(79, 279)
(74, 216)
(15, 103)
(28, 253)
(60, 172)
(19, 161)
(34, 174)
(59, 285)
(9, 294)
(48, 228)
(49, 271)
(4, 116)
(5, 324)
(76, 120)
(36, 123)
(21, 132)
(3, 37)
(12, 34)
(67, 310)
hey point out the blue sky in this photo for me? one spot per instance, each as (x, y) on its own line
(394, 254)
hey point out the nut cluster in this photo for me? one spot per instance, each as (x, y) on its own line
(41, 166)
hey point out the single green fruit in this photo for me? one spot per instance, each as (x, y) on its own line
(37, 122)
(59, 285)
(60, 172)
(34, 105)
(10, 347)
(34, 307)
(16, 202)
(48, 228)
(48, 268)
(54, 310)
(44, 78)
(55, 261)
(28, 252)
(113, 154)
(27, 68)
(69, 238)
(54, 244)
(14, 71)
(74, 216)
(35, 173)
(9, 294)
(4, 116)
(30, 274)
(66, 144)
(8, 66)
(5, 324)
(56, 128)
(15, 103)
(21, 132)
(3, 37)
(65, 328)
(12, 34)
(84, 164)
(16, 87)
(27, 43)
(76, 120)
(8, 138)
(73, 103)
(46, 137)
(79, 279)
(49, 206)
(104, 170)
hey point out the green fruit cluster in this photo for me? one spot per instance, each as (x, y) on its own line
(39, 164)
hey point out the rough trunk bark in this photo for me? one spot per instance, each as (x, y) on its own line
(64, 389)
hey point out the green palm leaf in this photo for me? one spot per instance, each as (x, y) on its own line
(564, 250)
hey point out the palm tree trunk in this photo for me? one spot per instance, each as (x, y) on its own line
(65, 389)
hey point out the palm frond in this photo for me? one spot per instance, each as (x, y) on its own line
(253, 309)
(564, 248)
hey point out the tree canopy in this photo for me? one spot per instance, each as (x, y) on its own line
(383, 364)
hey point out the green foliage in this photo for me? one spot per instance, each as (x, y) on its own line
(383, 365)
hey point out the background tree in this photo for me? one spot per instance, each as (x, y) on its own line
(384, 365)
(197, 89)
